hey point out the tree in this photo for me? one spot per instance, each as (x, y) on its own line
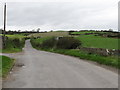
(19, 30)
(38, 30)
(33, 30)
(110, 30)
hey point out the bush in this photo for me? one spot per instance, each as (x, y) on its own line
(7, 64)
(16, 42)
(49, 43)
(61, 43)
(68, 43)
(13, 45)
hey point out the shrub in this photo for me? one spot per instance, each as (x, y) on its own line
(49, 43)
(68, 43)
(16, 42)
(61, 43)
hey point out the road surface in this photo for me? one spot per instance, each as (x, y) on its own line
(48, 70)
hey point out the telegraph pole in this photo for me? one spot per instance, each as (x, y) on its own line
(4, 31)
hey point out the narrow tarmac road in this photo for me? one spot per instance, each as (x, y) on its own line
(48, 70)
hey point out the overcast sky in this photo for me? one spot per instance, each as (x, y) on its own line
(64, 15)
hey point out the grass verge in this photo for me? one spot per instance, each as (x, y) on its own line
(6, 65)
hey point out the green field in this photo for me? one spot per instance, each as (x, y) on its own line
(87, 40)
(16, 36)
(49, 34)
(92, 41)
(6, 64)
(98, 42)
(83, 32)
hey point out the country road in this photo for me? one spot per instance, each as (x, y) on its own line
(48, 70)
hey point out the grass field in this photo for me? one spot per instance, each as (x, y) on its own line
(6, 65)
(87, 40)
(91, 41)
(83, 32)
(98, 42)
(16, 36)
(49, 34)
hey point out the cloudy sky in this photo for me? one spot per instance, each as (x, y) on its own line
(61, 15)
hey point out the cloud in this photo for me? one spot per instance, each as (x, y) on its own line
(82, 14)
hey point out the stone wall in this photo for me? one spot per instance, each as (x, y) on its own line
(100, 51)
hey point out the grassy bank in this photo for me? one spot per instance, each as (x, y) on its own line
(110, 60)
(14, 43)
(6, 64)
